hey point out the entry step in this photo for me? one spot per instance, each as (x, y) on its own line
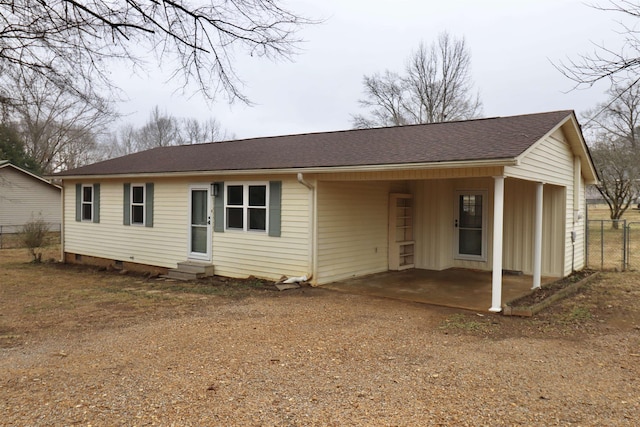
(190, 270)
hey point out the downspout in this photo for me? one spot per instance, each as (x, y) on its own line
(303, 182)
(62, 223)
(312, 227)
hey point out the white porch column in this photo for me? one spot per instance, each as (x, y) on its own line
(537, 238)
(498, 220)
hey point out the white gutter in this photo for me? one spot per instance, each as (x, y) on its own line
(312, 227)
(325, 169)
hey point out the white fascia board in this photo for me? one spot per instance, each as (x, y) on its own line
(314, 170)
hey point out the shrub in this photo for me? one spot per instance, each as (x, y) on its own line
(34, 237)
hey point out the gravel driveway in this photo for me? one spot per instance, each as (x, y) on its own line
(311, 357)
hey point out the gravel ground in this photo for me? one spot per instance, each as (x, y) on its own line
(312, 357)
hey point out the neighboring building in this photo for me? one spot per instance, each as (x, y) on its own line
(494, 194)
(593, 196)
(25, 196)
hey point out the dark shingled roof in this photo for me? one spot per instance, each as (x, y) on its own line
(482, 139)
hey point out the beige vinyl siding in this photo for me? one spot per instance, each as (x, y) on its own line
(434, 201)
(579, 250)
(23, 197)
(162, 245)
(243, 254)
(519, 223)
(435, 233)
(235, 254)
(555, 232)
(575, 221)
(352, 229)
(549, 161)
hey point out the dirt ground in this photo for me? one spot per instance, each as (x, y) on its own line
(84, 347)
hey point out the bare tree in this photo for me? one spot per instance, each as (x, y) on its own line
(385, 99)
(619, 171)
(604, 62)
(436, 87)
(439, 82)
(57, 128)
(124, 141)
(619, 117)
(72, 44)
(195, 131)
(616, 152)
(161, 130)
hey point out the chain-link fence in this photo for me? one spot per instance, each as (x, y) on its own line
(606, 244)
(633, 245)
(613, 245)
(10, 235)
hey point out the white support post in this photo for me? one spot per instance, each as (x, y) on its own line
(537, 238)
(498, 221)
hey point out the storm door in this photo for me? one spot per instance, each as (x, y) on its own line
(470, 225)
(200, 223)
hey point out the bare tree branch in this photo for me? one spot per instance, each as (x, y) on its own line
(436, 87)
(161, 129)
(58, 129)
(616, 153)
(604, 62)
(72, 43)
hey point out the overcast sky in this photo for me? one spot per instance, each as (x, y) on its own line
(513, 46)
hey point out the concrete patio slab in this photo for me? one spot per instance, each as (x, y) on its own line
(459, 288)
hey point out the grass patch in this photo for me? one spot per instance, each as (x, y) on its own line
(578, 314)
(462, 322)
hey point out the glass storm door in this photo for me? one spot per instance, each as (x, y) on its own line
(200, 227)
(470, 229)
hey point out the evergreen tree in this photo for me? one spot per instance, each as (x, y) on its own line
(12, 149)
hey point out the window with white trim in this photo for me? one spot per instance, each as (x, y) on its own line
(246, 206)
(138, 199)
(87, 203)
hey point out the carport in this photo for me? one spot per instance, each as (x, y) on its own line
(454, 287)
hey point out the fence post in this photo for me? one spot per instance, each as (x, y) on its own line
(1, 237)
(586, 242)
(601, 244)
(624, 245)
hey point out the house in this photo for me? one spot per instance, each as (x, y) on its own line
(505, 193)
(25, 196)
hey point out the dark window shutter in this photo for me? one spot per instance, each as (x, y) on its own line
(78, 202)
(148, 205)
(218, 208)
(127, 205)
(96, 203)
(275, 208)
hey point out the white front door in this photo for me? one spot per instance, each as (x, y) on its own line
(471, 225)
(200, 222)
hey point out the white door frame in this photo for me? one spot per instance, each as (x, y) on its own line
(200, 256)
